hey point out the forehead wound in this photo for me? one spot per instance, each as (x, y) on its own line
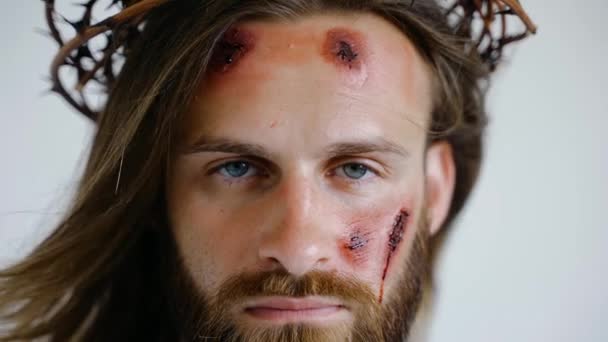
(234, 46)
(343, 48)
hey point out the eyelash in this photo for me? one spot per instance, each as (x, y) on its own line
(231, 179)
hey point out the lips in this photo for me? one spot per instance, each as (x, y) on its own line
(290, 309)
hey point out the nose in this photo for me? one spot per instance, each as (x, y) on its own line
(300, 238)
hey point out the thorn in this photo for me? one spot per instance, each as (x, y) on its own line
(79, 26)
(87, 5)
(43, 32)
(55, 89)
(109, 42)
(84, 51)
(46, 92)
(114, 3)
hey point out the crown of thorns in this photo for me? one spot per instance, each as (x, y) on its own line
(485, 21)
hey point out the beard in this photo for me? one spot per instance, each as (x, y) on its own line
(199, 316)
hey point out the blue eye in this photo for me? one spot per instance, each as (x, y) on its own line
(235, 169)
(354, 170)
(242, 170)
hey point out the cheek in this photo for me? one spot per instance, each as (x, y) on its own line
(373, 240)
(208, 236)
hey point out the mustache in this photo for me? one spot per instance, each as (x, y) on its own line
(354, 294)
(282, 283)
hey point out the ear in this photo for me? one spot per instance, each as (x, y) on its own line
(440, 175)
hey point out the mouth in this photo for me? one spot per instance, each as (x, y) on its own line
(283, 310)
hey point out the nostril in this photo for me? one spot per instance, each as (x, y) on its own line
(296, 260)
(322, 261)
(271, 261)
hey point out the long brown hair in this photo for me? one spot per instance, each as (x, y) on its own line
(96, 277)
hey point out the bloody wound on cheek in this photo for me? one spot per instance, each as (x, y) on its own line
(354, 246)
(394, 239)
(357, 240)
(397, 233)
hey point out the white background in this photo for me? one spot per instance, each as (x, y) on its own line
(528, 260)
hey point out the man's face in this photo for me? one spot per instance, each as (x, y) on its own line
(297, 191)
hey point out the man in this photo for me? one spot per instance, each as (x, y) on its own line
(262, 171)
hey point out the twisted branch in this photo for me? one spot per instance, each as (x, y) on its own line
(122, 30)
(75, 50)
(488, 11)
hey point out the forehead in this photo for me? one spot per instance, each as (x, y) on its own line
(321, 67)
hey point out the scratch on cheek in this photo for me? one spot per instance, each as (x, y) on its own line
(356, 242)
(355, 246)
(394, 240)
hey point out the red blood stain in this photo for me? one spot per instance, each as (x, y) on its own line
(357, 241)
(231, 49)
(394, 239)
(353, 246)
(344, 48)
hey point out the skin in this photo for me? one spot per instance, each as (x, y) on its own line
(289, 91)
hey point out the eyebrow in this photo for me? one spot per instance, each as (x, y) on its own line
(219, 144)
(378, 144)
(226, 145)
